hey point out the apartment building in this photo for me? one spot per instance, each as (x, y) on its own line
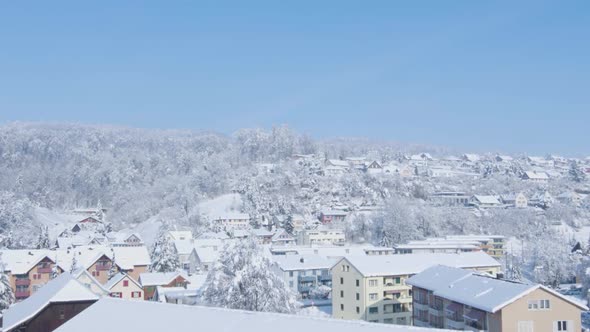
(494, 245)
(452, 298)
(322, 236)
(428, 247)
(303, 273)
(373, 288)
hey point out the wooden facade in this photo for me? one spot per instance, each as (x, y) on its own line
(52, 316)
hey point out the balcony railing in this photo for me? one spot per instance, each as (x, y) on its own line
(23, 282)
(22, 294)
(105, 267)
(44, 269)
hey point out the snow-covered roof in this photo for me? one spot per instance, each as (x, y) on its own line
(173, 293)
(328, 251)
(117, 278)
(376, 265)
(131, 316)
(232, 216)
(184, 247)
(339, 163)
(22, 261)
(475, 290)
(207, 254)
(160, 278)
(129, 257)
(180, 235)
(64, 288)
(489, 200)
(303, 262)
(536, 175)
(330, 212)
(437, 245)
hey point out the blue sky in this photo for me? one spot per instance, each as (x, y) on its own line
(474, 75)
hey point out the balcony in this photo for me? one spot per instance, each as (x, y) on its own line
(454, 325)
(103, 267)
(22, 294)
(44, 269)
(23, 282)
(325, 277)
(305, 279)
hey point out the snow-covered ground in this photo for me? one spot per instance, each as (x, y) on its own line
(222, 204)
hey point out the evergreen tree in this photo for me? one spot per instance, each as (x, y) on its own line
(243, 279)
(577, 174)
(289, 228)
(164, 255)
(6, 293)
(99, 212)
(43, 240)
(113, 269)
(74, 265)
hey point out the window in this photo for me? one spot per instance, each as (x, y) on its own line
(388, 321)
(533, 305)
(358, 283)
(116, 294)
(62, 314)
(358, 296)
(562, 325)
(290, 273)
(341, 293)
(341, 281)
(342, 307)
(135, 295)
(358, 310)
(398, 280)
(373, 296)
(125, 283)
(373, 283)
(544, 304)
(373, 310)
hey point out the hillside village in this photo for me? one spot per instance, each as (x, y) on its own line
(347, 238)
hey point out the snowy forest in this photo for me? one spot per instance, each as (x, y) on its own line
(140, 175)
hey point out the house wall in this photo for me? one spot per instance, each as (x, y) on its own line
(543, 319)
(348, 286)
(126, 291)
(137, 270)
(36, 277)
(101, 275)
(53, 316)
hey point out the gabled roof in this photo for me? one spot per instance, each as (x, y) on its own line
(131, 316)
(160, 278)
(64, 288)
(536, 175)
(117, 278)
(475, 290)
(22, 261)
(386, 265)
(207, 254)
(491, 200)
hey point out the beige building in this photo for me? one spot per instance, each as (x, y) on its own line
(451, 298)
(123, 286)
(321, 236)
(373, 287)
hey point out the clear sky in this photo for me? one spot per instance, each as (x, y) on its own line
(510, 76)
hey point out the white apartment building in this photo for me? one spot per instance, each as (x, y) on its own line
(302, 273)
(374, 289)
(321, 236)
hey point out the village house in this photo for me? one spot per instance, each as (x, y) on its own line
(85, 278)
(571, 197)
(233, 220)
(303, 273)
(53, 305)
(282, 238)
(328, 216)
(122, 286)
(482, 201)
(452, 298)
(28, 270)
(535, 176)
(470, 157)
(504, 159)
(373, 167)
(151, 280)
(541, 199)
(373, 288)
(322, 236)
(203, 258)
(493, 245)
(450, 198)
(120, 239)
(518, 200)
(149, 316)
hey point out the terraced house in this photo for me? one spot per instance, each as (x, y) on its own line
(374, 288)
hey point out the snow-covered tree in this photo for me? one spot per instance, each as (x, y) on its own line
(243, 279)
(74, 265)
(164, 255)
(113, 268)
(6, 293)
(577, 173)
(43, 240)
(289, 228)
